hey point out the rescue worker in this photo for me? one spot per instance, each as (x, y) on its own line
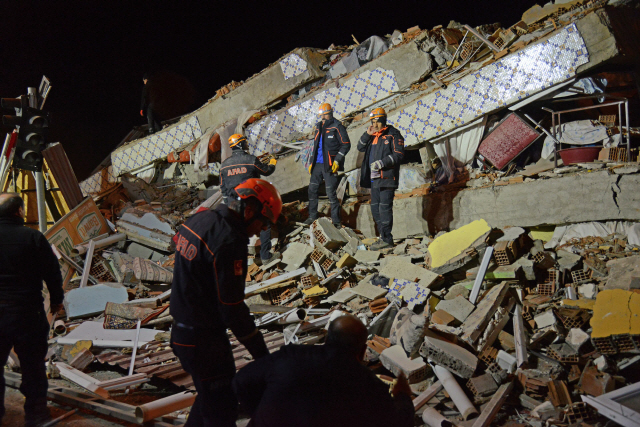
(323, 385)
(330, 147)
(26, 259)
(149, 95)
(207, 297)
(383, 146)
(239, 167)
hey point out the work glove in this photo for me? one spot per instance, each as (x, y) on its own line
(142, 113)
(335, 166)
(255, 344)
(377, 165)
(310, 167)
(273, 162)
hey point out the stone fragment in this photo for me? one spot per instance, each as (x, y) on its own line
(567, 260)
(506, 361)
(367, 256)
(545, 319)
(507, 341)
(624, 273)
(545, 411)
(527, 267)
(346, 261)
(588, 290)
(368, 291)
(296, 255)
(576, 338)
(601, 363)
(459, 289)
(459, 307)
(400, 249)
(342, 296)
(395, 359)
(453, 357)
(407, 330)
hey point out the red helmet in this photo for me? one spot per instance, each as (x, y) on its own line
(266, 193)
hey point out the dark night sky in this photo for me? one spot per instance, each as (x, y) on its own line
(95, 53)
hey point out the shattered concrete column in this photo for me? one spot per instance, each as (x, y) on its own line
(458, 396)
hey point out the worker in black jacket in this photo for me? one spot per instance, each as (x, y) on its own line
(207, 297)
(149, 95)
(323, 385)
(236, 169)
(330, 148)
(26, 259)
(383, 146)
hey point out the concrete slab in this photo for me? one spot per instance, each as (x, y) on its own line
(91, 300)
(453, 357)
(368, 291)
(367, 256)
(342, 296)
(624, 273)
(395, 359)
(452, 244)
(400, 269)
(296, 255)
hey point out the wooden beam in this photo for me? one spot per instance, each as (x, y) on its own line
(494, 405)
(427, 395)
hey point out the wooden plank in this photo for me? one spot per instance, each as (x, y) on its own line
(258, 287)
(81, 379)
(494, 405)
(427, 395)
(520, 337)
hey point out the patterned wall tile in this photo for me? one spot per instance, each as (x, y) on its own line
(354, 94)
(512, 78)
(99, 182)
(293, 65)
(156, 146)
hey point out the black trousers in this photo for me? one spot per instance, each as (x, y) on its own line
(206, 355)
(26, 330)
(318, 175)
(154, 120)
(382, 209)
(265, 244)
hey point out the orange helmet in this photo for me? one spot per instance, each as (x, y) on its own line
(378, 113)
(236, 139)
(266, 193)
(324, 109)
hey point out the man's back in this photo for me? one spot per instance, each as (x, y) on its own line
(318, 386)
(25, 261)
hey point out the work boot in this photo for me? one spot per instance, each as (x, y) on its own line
(309, 221)
(273, 256)
(37, 418)
(337, 225)
(380, 244)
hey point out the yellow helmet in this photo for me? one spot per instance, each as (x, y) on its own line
(378, 113)
(324, 109)
(236, 139)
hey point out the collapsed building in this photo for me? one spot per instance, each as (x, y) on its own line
(510, 297)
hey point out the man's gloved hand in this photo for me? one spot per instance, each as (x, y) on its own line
(56, 308)
(142, 113)
(273, 162)
(254, 342)
(377, 165)
(335, 166)
(310, 167)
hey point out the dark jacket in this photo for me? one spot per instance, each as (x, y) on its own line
(317, 386)
(335, 143)
(389, 147)
(210, 271)
(26, 259)
(238, 168)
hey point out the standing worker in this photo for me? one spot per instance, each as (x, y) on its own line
(23, 322)
(330, 147)
(149, 95)
(383, 146)
(208, 297)
(238, 168)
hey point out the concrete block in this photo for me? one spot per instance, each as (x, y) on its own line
(453, 357)
(400, 269)
(459, 307)
(459, 289)
(527, 267)
(346, 261)
(400, 249)
(367, 256)
(484, 385)
(395, 359)
(504, 272)
(545, 411)
(327, 235)
(507, 341)
(296, 255)
(545, 319)
(506, 361)
(588, 290)
(342, 296)
(510, 234)
(624, 273)
(566, 260)
(576, 338)
(91, 300)
(407, 330)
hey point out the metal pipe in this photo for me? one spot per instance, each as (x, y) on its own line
(481, 37)
(626, 110)
(293, 317)
(82, 249)
(460, 399)
(60, 418)
(87, 264)
(59, 328)
(160, 407)
(42, 207)
(433, 418)
(3, 155)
